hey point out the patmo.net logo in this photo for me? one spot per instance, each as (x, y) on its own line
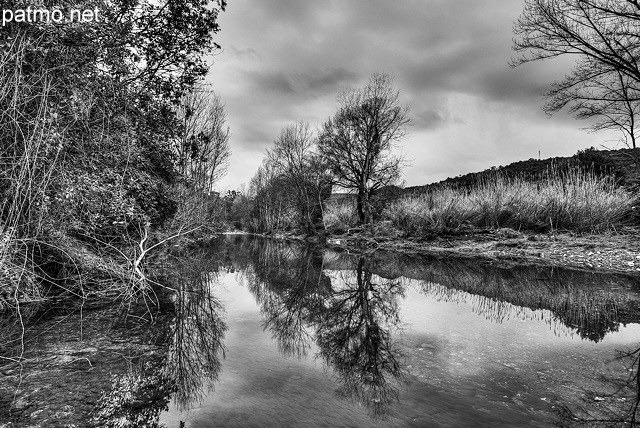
(57, 16)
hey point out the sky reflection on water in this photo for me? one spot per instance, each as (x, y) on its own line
(339, 340)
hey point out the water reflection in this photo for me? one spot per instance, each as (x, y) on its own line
(194, 347)
(350, 320)
(290, 286)
(346, 307)
(197, 330)
(615, 405)
(592, 304)
(355, 332)
(346, 304)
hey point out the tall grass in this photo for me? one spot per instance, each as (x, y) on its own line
(341, 214)
(576, 200)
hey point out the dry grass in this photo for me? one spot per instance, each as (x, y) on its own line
(341, 215)
(575, 201)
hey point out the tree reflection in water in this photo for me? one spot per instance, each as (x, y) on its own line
(592, 304)
(347, 305)
(193, 358)
(194, 337)
(351, 320)
(290, 287)
(354, 335)
(616, 407)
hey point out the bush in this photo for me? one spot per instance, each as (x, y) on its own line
(341, 214)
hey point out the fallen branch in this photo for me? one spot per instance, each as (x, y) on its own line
(143, 251)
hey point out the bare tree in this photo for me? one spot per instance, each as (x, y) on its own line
(605, 37)
(272, 199)
(357, 141)
(203, 150)
(294, 159)
(609, 97)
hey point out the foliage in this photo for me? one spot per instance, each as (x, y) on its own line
(273, 208)
(238, 209)
(88, 121)
(290, 187)
(302, 171)
(202, 155)
(341, 215)
(202, 149)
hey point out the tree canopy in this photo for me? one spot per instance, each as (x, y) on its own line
(88, 114)
(357, 142)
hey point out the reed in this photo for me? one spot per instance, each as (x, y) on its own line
(575, 200)
(340, 215)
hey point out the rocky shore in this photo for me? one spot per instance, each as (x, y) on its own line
(613, 252)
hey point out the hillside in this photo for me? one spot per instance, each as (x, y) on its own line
(623, 165)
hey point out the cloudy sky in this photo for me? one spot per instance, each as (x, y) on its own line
(286, 60)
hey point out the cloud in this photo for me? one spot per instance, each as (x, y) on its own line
(328, 79)
(276, 81)
(286, 60)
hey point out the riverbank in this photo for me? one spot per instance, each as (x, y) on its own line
(607, 252)
(614, 252)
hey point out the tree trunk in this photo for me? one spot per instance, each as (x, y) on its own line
(362, 205)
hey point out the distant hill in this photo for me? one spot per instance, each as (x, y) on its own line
(623, 165)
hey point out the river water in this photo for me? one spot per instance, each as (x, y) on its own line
(267, 333)
(326, 338)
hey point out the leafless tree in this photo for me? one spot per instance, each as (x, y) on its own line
(203, 149)
(605, 37)
(294, 159)
(357, 141)
(610, 98)
(272, 202)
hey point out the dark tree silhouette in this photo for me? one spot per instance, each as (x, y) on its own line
(357, 141)
(603, 35)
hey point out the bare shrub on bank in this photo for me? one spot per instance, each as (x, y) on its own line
(341, 214)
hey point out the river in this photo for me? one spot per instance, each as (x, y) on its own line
(257, 332)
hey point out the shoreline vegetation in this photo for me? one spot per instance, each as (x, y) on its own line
(540, 211)
(105, 153)
(568, 217)
(571, 217)
(92, 193)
